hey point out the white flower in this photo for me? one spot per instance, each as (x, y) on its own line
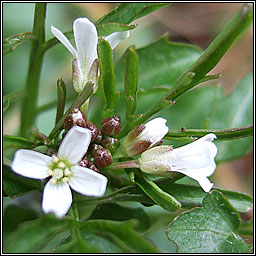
(145, 136)
(195, 160)
(63, 170)
(86, 39)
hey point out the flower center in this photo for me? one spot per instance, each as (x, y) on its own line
(60, 170)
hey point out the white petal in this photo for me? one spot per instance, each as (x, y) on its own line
(57, 198)
(86, 38)
(75, 144)
(197, 155)
(117, 37)
(197, 175)
(62, 38)
(155, 130)
(87, 181)
(31, 164)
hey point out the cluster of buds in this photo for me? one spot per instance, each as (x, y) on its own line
(102, 143)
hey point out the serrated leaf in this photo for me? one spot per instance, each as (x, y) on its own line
(33, 235)
(107, 77)
(234, 110)
(117, 212)
(15, 185)
(121, 233)
(109, 28)
(209, 228)
(16, 142)
(127, 12)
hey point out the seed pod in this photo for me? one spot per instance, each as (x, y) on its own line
(102, 157)
(76, 117)
(111, 125)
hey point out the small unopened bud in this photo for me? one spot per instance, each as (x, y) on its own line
(92, 166)
(110, 143)
(76, 117)
(95, 131)
(144, 136)
(102, 157)
(111, 125)
(84, 162)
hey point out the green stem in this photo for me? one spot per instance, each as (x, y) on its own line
(207, 61)
(121, 165)
(83, 96)
(35, 64)
(227, 134)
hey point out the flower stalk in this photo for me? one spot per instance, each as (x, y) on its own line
(35, 64)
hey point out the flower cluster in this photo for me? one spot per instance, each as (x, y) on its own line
(86, 149)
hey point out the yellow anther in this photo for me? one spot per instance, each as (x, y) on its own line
(53, 180)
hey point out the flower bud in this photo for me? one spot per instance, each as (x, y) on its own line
(102, 157)
(84, 162)
(92, 166)
(76, 117)
(111, 125)
(110, 143)
(95, 131)
(144, 136)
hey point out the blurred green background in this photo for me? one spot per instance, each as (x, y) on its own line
(193, 23)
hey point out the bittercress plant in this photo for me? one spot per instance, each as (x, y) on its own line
(110, 174)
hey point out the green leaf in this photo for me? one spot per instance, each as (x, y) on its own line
(107, 77)
(160, 197)
(16, 142)
(33, 235)
(109, 28)
(160, 63)
(190, 195)
(128, 12)
(13, 42)
(15, 185)
(234, 110)
(122, 234)
(14, 215)
(117, 212)
(131, 80)
(208, 229)
(187, 195)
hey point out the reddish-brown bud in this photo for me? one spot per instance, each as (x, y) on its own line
(110, 143)
(84, 162)
(139, 147)
(94, 130)
(76, 117)
(111, 125)
(92, 166)
(102, 157)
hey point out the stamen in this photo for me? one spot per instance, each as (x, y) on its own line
(50, 172)
(67, 172)
(61, 164)
(53, 180)
(65, 179)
